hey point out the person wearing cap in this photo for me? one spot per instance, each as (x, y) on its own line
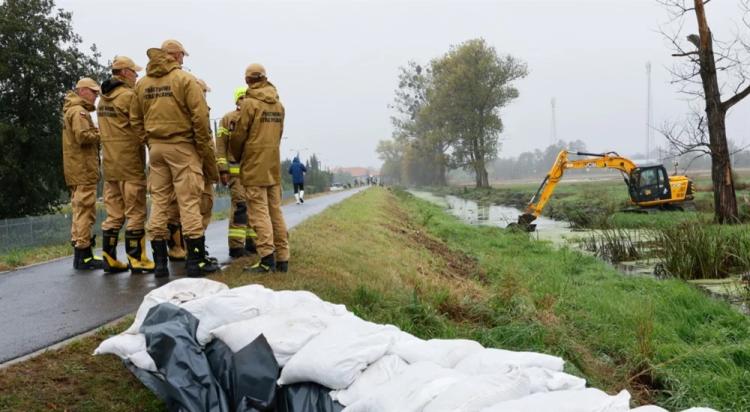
(241, 235)
(80, 144)
(170, 113)
(124, 169)
(255, 140)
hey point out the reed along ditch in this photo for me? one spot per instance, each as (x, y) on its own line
(712, 257)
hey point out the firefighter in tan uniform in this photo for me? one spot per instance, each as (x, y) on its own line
(241, 236)
(171, 113)
(255, 140)
(124, 164)
(175, 243)
(80, 143)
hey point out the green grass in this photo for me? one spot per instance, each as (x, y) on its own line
(431, 275)
(27, 256)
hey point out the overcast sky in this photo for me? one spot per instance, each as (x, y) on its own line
(335, 63)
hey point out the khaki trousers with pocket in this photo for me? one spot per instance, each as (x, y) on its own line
(125, 199)
(265, 215)
(175, 170)
(83, 203)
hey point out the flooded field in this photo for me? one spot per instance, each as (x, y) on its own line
(634, 243)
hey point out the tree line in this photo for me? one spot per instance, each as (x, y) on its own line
(40, 60)
(447, 115)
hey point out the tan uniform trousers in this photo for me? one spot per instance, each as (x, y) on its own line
(173, 214)
(266, 218)
(207, 206)
(83, 203)
(239, 225)
(175, 170)
(125, 199)
(207, 203)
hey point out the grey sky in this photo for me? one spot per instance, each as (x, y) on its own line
(335, 62)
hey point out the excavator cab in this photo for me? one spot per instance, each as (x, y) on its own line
(648, 184)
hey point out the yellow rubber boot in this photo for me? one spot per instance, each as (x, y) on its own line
(135, 244)
(110, 263)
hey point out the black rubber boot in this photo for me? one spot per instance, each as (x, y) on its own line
(250, 245)
(176, 243)
(238, 252)
(161, 268)
(208, 257)
(135, 247)
(109, 252)
(282, 266)
(76, 256)
(198, 265)
(86, 259)
(266, 264)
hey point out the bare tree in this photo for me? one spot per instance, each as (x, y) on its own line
(698, 77)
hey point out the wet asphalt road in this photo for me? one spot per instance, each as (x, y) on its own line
(50, 302)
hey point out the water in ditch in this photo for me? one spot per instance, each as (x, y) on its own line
(559, 233)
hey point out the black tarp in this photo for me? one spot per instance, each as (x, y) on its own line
(193, 379)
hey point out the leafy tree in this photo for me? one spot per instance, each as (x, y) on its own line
(471, 84)
(40, 59)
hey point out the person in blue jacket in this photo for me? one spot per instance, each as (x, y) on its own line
(298, 170)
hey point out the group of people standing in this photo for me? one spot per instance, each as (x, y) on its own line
(166, 112)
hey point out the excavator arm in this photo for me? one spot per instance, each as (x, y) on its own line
(609, 160)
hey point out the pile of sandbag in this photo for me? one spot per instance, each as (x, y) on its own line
(359, 365)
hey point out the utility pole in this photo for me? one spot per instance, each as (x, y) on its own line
(649, 111)
(554, 124)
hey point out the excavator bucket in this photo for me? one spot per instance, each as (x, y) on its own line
(524, 223)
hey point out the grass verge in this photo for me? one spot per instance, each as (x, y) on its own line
(394, 259)
(27, 256)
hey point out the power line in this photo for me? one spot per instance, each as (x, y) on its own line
(649, 112)
(554, 123)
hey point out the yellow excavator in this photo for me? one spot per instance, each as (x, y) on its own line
(650, 187)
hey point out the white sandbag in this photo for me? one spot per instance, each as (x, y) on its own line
(473, 393)
(376, 375)
(143, 360)
(488, 360)
(444, 352)
(127, 346)
(649, 408)
(302, 300)
(286, 332)
(409, 391)
(545, 380)
(176, 292)
(219, 309)
(586, 400)
(339, 354)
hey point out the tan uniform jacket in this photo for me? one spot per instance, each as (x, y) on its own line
(224, 158)
(170, 108)
(80, 141)
(123, 152)
(257, 135)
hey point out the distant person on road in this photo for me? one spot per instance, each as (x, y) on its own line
(241, 236)
(171, 113)
(124, 166)
(255, 140)
(80, 143)
(298, 170)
